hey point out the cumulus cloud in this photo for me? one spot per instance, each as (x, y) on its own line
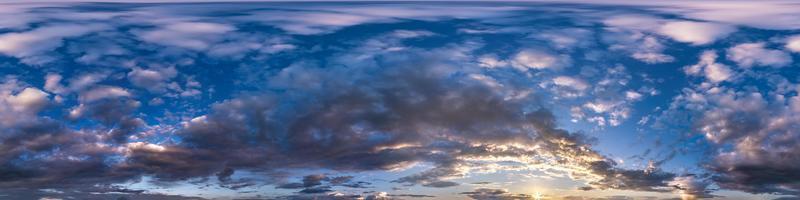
(755, 54)
(154, 80)
(103, 92)
(573, 83)
(30, 46)
(536, 59)
(750, 133)
(630, 34)
(709, 68)
(696, 33)
(637, 35)
(568, 87)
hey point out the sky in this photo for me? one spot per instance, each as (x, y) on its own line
(558, 100)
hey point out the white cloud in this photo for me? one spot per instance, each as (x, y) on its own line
(709, 68)
(631, 34)
(780, 15)
(571, 82)
(696, 33)
(652, 58)
(566, 38)
(103, 92)
(52, 83)
(793, 43)
(535, 59)
(29, 100)
(717, 72)
(30, 46)
(632, 95)
(635, 22)
(190, 35)
(491, 61)
(754, 54)
(85, 81)
(154, 80)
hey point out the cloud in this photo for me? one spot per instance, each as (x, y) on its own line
(696, 33)
(412, 112)
(567, 86)
(386, 104)
(629, 33)
(709, 68)
(103, 92)
(321, 19)
(754, 54)
(777, 15)
(536, 59)
(750, 135)
(97, 193)
(29, 100)
(495, 194)
(30, 46)
(691, 187)
(793, 43)
(190, 35)
(570, 82)
(154, 80)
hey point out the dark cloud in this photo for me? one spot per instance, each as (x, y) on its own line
(495, 194)
(440, 184)
(320, 183)
(315, 190)
(753, 141)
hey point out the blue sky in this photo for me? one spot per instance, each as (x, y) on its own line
(400, 100)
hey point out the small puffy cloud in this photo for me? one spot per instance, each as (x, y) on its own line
(696, 33)
(793, 43)
(570, 82)
(632, 95)
(154, 80)
(491, 61)
(103, 92)
(52, 83)
(536, 59)
(755, 54)
(718, 72)
(709, 68)
(82, 82)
